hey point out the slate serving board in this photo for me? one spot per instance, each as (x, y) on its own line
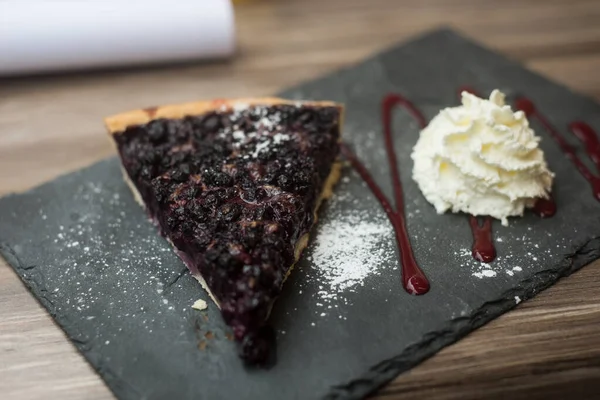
(91, 257)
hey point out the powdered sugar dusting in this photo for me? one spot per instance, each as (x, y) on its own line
(348, 250)
(238, 108)
(352, 247)
(261, 133)
(488, 273)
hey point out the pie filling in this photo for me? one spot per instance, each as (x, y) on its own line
(235, 191)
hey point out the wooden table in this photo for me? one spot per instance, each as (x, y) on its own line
(548, 348)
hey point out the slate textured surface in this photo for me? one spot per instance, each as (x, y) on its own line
(91, 257)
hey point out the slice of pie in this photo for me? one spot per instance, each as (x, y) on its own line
(234, 185)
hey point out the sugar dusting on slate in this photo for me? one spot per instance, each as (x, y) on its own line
(351, 245)
(96, 261)
(348, 250)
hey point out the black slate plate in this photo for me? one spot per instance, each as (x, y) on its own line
(87, 251)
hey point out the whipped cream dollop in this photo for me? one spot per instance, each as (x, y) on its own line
(481, 158)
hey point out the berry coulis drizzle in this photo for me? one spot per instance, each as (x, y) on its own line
(544, 208)
(483, 249)
(413, 279)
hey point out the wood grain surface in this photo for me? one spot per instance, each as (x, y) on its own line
(548, 348)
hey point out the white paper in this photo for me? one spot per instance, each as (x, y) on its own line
(55, 35)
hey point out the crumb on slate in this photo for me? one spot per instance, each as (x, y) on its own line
(200, 305)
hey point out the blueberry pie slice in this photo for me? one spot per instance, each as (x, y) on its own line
(234, 185)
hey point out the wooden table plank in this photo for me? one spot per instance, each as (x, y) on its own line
(548, 348)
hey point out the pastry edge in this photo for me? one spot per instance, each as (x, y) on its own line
(119, 122)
